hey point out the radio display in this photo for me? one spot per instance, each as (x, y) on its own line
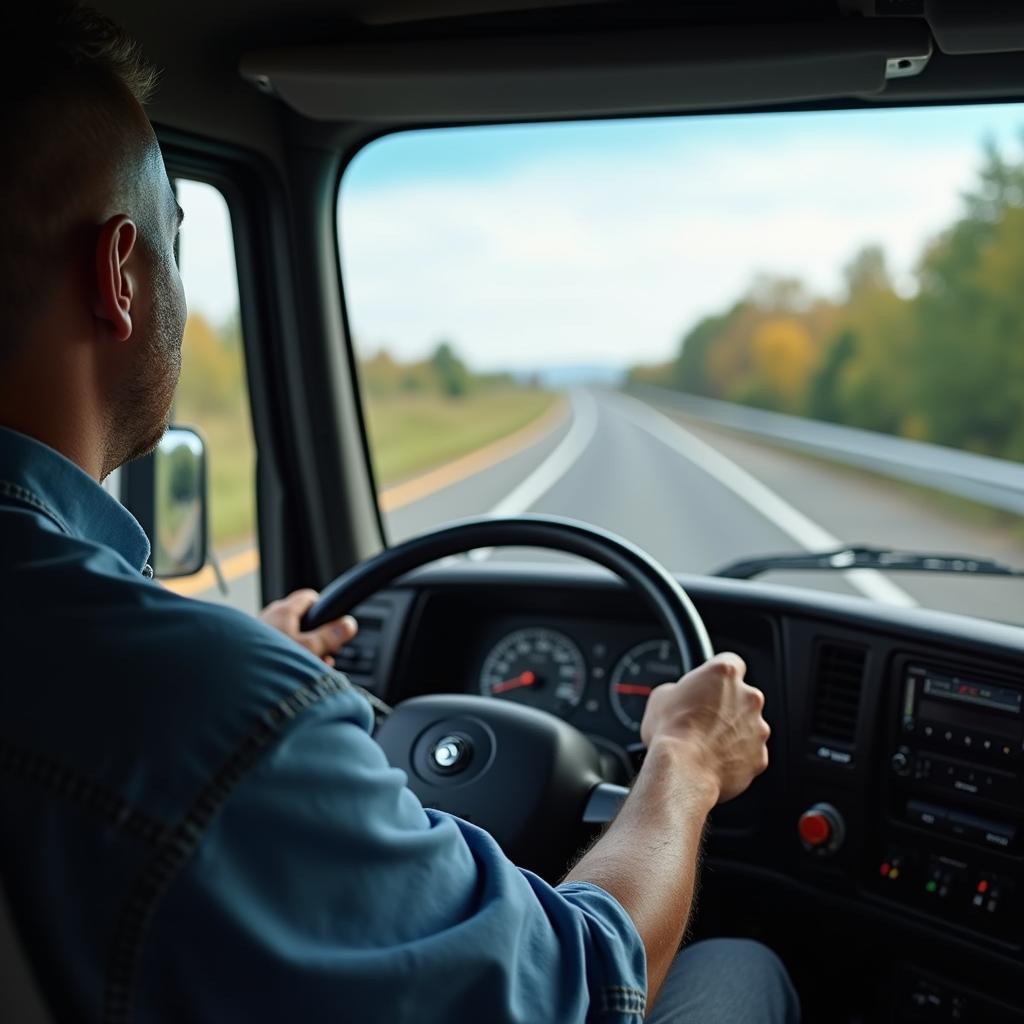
(998, 698)
(967, 703)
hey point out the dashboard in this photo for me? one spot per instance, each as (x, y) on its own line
(888, 832)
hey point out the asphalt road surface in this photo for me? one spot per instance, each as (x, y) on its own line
(698, 498)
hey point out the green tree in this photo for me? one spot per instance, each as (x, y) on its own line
(452, 373)
(970, 319)
(823, 401)
(866, 377)
(692, 371)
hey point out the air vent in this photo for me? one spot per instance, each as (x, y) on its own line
(838, 682)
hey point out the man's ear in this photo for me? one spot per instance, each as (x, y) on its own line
(115, 285)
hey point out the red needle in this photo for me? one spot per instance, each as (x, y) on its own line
(526, 678)
(633, 690)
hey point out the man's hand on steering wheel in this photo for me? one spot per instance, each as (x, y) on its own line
(324, 641)
(714, 717)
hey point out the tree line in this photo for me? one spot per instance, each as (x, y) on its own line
(943, 364)
(213, 371)
(443, 373)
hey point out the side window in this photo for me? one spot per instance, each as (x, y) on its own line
(213, 397)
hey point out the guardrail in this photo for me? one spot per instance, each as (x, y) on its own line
(994, 482)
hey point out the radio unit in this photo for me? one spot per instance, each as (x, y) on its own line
(958, 760)
(954, 791)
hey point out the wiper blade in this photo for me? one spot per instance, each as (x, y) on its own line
(859, 557)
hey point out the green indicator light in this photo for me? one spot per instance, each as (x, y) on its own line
(931, 886)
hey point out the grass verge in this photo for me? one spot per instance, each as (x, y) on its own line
(410, 434)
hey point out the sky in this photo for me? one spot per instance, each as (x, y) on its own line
(602, 242)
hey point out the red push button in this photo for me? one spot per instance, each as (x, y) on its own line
(821, 829)
(815, 828)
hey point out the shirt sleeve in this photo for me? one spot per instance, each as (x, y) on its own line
(323, 891)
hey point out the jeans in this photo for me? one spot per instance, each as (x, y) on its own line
(726, 981)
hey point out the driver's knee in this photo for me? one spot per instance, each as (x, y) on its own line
(726, 981)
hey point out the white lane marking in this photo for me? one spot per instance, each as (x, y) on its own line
(530, 490)
(533, 487)
(807, 533)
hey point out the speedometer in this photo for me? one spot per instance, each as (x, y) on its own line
(638, 671)
(536, 666)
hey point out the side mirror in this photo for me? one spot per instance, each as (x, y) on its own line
(179, 536)
(167, 492)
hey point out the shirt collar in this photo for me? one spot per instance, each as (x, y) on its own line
(33, 474)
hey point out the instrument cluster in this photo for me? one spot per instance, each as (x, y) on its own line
(596, 676)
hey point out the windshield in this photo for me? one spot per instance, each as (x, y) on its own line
(718, 336)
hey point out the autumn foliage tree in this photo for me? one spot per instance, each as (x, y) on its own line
(944, 364)
(213, 369)
(763, 351)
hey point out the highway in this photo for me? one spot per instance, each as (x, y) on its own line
(697, 498)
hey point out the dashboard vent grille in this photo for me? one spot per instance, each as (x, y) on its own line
(840, 677)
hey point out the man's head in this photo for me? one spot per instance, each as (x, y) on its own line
(91, 305)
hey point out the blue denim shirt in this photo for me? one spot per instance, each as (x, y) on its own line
(196, 824)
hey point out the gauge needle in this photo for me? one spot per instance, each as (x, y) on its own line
(526, 678)
(632, 690)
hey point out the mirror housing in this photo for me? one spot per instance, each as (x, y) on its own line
(167, 493)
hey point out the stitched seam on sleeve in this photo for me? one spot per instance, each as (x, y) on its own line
(622, 999)
(64, 783)
(175, 850)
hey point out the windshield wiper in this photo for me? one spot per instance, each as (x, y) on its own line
(859, 557)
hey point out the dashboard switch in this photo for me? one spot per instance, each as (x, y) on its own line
(822, 829)
(901, 761)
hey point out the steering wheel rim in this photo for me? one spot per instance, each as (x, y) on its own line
(455, 748)
(646, 577)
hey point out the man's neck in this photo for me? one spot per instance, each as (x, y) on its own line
(72, 444)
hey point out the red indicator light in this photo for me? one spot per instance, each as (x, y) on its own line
(884, 871)
(983, 886)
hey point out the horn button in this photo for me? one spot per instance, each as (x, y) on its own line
(518, 772)
(453, 752)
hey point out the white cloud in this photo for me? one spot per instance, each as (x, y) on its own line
(581, 259)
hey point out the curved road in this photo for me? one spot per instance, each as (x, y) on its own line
(697, 498)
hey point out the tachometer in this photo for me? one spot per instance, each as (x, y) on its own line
(638, 671)
(536, 666)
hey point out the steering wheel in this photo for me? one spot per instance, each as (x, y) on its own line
(526, 776)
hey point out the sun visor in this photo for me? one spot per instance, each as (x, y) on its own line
(642, 72)
(981, 26)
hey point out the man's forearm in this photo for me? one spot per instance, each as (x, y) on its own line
(648, 857)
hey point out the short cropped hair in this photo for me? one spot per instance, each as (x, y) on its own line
(83, 41)
(68, 78)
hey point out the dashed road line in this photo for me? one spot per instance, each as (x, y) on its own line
(805, 531)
